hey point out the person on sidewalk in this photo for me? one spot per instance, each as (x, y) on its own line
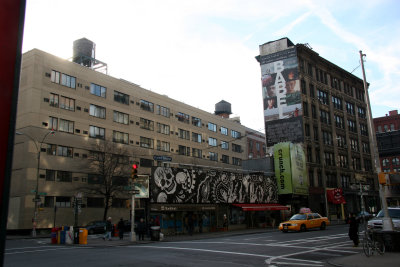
(141, 229)
(121, 228)
(353, 229)
(108, 229)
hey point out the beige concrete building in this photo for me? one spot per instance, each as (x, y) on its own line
(83, 106)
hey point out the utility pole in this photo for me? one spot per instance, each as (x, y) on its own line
(387, 221)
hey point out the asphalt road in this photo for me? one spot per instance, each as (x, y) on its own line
(311, 248)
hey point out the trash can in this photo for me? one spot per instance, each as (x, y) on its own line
(69, 236)
(54, 235)
(155, 233)
(83, 233)
(62, 237)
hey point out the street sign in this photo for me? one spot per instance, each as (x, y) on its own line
(42, 193)
(162, 158)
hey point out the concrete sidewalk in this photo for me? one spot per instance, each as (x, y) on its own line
(389, 259)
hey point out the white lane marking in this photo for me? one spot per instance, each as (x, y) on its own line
(42, 250)
(31, 247)
(295, 263)
(203, 250)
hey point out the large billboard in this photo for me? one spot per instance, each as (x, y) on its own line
(188, 186)
(290, 169)
(281, 95)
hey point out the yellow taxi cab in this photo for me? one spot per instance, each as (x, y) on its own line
(304, 221)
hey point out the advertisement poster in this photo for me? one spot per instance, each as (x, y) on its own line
(299, 169)
(283, 170)
(142, 186)
(280, 85)
(335, 196)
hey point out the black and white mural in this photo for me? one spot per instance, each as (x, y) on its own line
(180, 185)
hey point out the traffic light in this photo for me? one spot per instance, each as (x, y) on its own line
(134, 171)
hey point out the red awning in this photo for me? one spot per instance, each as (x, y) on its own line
(249, 207)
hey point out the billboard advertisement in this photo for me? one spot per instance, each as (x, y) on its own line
(281, 96)
(197, 186)
(290, 169)
(299, 169)
(283, 171)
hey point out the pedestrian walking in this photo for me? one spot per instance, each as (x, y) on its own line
(141, 229)
(353, 229)
(121, 228)
(108, 228)
(225, 223)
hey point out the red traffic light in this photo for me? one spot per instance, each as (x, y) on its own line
(134, 166)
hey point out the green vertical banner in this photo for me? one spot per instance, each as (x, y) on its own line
(299, 169)
(283, 170)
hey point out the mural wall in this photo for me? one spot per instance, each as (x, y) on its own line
(180, 185)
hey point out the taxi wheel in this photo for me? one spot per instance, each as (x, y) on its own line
(323, 226)
(284, 231)
(303, 228)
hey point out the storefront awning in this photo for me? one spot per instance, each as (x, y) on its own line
(250, 207)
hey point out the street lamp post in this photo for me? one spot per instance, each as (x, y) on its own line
(36, 199)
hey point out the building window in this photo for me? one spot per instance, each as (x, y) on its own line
(352, 126)
(197, 153)
(213, 156)
(53, 123)
(395, 161)
(183, 117)
(365, 147)
(163, 111)
(385, 162)
(146, 105)
(341, 140)
(354, 144)
(66, 80)
(49, 202)
(146, 124)
(96, 132)
(236, 161)
(66, 126)
(309, 154)
(67, 103)
(64, 151)
(331, 180)
(120, 137)
(325, 117)
(95, 202)
(54, 100)
(225, 159)
(312, 93)
(307, 130)
(303, 87)
(212, 141)
(235, 134)
(120, 117)
(51, 149)
(97, 111)
(121, 98)
(363, 129)
(236, 148)
(313, 111)
(146, 142)
(356, 163)
(350, 108)
(327, 138)
(339, 121)
(323, 97)
(63, 202)
(337, 103)
(343, 161)
(305, 109)
(361, 112)
(98, 90)
(64, 176)
(316, 138)
(50, 175)
(224, 130)
(95, 179)
(345, 181)
(196, 137)
(212, 127)
(329, 159)
(183, 134)
(163, 146)
(367, 165)
(184, 150)
(196, 122)
(162, 128)
(224, 145)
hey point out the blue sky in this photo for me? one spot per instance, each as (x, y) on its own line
(200, 52)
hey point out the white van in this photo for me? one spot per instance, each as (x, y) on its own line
(376, 222)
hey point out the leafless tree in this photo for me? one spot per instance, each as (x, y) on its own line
(109, 164)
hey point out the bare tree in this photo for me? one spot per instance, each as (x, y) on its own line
(109, 163)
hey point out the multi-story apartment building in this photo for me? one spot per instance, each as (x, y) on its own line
(65, 108)
(313, 102)
(387, 130)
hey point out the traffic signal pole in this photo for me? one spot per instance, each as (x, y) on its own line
(133, 176)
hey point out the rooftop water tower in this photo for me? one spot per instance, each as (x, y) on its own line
(223, 109)
(84, 53)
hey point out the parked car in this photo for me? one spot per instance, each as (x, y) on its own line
(394, 213)
(304, 221)
(96, 227)
(366, 215)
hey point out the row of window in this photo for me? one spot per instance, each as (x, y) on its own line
(386, 128)
(386, 162)
(90, 202)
